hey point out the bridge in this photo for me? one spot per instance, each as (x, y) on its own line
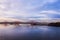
(18, 23)
(32, 23)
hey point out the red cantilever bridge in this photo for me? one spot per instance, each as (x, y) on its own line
(31, 23)
(17, 23)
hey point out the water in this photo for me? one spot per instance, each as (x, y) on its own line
(30, 33)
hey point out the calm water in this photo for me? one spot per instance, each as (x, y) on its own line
(30, 33)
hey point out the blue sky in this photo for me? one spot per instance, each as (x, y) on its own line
(30, 8)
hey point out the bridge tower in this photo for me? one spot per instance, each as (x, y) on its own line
(17, 23)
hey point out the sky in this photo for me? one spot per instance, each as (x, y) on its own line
(30, 9)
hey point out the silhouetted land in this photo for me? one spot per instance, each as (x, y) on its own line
(54, 24)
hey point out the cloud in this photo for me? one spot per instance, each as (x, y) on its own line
(51, 1)
(33, 4)
(47, 14)
(51, 13)
(24, 8)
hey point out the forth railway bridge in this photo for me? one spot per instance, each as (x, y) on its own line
(32, 23)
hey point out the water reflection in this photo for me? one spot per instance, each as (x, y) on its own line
(12, 32)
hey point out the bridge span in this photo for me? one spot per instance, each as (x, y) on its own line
(32, 23)
(18, 23)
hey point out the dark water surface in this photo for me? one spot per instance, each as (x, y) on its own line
(30, 33)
